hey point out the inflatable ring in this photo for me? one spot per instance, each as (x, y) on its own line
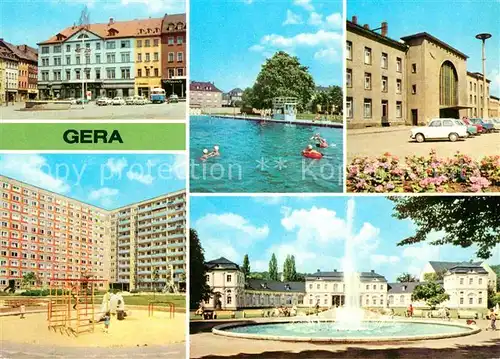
(313, 154)
(323, 144)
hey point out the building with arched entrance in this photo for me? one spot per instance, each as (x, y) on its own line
(407, 81)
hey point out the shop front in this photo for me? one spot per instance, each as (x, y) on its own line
(175, 86)
(117, 89)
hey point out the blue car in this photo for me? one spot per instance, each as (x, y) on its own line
(488, 127)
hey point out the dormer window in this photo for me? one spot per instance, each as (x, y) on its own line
(403, 288)
(60, 37)
(171, 27)
(83, 36)
(180, 26)
(112, 32)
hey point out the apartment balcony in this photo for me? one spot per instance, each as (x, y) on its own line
(177, 236)
(176, 254)
(144, 272)
(144, 264)
(124, 251)
(179, 271)
(176, 245)
(157, 255)
(177, 262)
(123, 236)
(124, 244)
(152, 208)
(124, 221)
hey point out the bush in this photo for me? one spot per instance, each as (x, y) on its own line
(42, 292)
(388, 173)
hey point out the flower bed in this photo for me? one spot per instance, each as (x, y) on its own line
(388, 173)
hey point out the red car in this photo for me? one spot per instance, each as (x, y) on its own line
(480, 128)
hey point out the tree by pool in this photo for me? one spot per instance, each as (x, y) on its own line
(263, 157)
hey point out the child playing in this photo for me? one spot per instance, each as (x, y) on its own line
(107, 319)
(493, 319)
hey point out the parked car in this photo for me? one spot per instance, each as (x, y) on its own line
(103, 101)
(480, 128)
(440, 128)
(80, 100)
(471, 129)
(118, 101)
(72, 100)
(173, 98)
(496, 121)
(496, 125)
(130, 100)
(139, 100)
(488, 127)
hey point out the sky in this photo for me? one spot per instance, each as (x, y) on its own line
(105, 180)
(314, 230)
(231, 39)
(33, 21)
(455, 22)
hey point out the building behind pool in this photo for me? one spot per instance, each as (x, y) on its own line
(466, 283)
(55, 236)
(408, 81)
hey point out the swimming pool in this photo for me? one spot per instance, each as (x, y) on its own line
(262, 157)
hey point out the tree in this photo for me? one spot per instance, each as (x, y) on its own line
(407, 277)
(496, 269)
(282, 76)
(464, 221)
(199, 290)
(273, 268)
(155, 276)
(328, 101)
(246, 266)
(286, 269)
(433, 277)
(432, 292)
(29, 279)
(293, 270)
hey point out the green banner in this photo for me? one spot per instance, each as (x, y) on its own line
(93, 136)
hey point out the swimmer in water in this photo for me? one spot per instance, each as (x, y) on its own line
(205, 155)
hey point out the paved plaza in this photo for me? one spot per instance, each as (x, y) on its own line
(172, 111)
(372, 142)
(485, 344)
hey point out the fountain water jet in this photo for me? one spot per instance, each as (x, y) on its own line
(351, 315)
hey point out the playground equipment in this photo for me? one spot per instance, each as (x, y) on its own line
(171, 308)
(71, 305)
(285, 108)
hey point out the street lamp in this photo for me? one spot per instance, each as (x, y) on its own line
(483, 37)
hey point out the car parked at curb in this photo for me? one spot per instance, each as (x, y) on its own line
(496, 124)
(173, 98)
(471, 129)
(80, 101)
(103, 101)
(139, 100)
(478, 126)
(488, 127)
(440, 128)
(118, 101)
(130, 100)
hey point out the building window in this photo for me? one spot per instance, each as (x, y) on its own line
(470, 99)
(139, 57)
(367, 105)
(97, 59)
(156, 72)
(475, 100)
(147, 72)
(413, 68)
(124, 44)
(171, 40)
(170, 57)
(57, 49)
(349, 78)
(180, 57)
(180, 40)
(139, 73)
(228, 278)
(87, 74)
(414, 89)
(125, 73)
(480, 299)
(399, 64)
(111, 58)
(349, 115)
(68, 60)
(147, 57)
(126, 57)
(180, 72)
(384, 60)
(77, 73)
(110, 45)
(97, 74)
(147, 43)
(139, 43)
(68, 48)
(448, 85)
(461, 281)
(399, 109)
(384, 84)
(155, 56)
(110, 73)
(368, 81)
(57, 61)
(98, 46)
(349, 50)
(68, 75)
(471, 280)
(368, 56)
(87, 59)
(480, 281)
(156, 42)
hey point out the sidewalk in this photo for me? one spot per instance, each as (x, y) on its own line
(368, 130)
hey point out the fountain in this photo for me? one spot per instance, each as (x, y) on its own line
(351, 324)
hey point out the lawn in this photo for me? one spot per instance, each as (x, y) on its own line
(178, 300)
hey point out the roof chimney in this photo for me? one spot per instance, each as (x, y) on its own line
(366, 26)
(384, 28)
(355, 20)
(111, 21)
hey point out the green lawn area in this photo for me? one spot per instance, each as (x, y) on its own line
(178, 300)
(312, 116)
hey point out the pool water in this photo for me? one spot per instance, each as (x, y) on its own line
(263, 157)
(335, 330)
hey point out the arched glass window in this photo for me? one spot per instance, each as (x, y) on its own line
(448, 85)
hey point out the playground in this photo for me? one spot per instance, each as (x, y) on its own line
(72, 316)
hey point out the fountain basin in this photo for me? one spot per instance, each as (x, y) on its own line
(331, 332)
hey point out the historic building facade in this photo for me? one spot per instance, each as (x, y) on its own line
(148, 58)
(173, 54)
(475, 94)
(204, 94)
(494, 107)
(391, 82)
(10, 72)
(149, 238)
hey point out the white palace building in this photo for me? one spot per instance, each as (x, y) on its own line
(466, 283)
